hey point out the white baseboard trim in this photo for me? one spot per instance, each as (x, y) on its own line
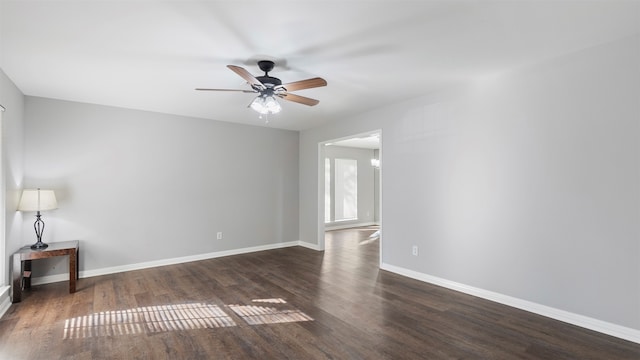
(5, 301)
(150, 264)
(557, 314)
(348, 225)
(309, 245)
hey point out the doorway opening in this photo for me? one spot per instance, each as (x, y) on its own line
(350, 188)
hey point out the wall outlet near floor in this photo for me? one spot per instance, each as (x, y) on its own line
(414, 250)
(219, 235)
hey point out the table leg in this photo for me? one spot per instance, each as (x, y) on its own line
(16, 278)
(73, 271)
(78, 263)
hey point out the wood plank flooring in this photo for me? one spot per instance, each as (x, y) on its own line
(291, 303)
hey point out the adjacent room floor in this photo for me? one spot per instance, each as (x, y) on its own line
(291, 303)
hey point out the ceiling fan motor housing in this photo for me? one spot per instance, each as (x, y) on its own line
(266, 66)
(268, 80)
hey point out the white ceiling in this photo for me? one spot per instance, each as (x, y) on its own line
(150, 55)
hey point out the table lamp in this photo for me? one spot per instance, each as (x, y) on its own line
(38, 200)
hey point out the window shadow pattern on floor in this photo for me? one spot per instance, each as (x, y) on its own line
(188, 316)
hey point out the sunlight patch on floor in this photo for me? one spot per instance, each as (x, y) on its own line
(148, 319)
(256, 315)
(153, 319)
(271, 301)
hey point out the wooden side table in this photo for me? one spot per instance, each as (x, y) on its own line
(21, 262)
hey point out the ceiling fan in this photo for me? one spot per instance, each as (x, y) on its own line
(268, 88)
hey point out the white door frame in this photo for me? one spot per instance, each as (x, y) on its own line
(321, 170)
(4, 285)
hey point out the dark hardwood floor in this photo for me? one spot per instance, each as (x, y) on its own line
(291, 303)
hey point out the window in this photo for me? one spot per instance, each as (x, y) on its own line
(340, 190)
(346, 190)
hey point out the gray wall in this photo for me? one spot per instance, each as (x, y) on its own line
(525, 184)
(13, 162)
(366, 204)
(138, 186)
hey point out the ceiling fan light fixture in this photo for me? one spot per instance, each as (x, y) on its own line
(258, 105)
(272, 105)
(266, 104)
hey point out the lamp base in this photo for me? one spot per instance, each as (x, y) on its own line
(39, 246)
(38, 226)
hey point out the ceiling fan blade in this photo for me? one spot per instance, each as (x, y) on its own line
(247, 76)
(244, 91)
(305, 84)
(299, 99)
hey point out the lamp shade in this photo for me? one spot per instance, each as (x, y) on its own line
(37, 200)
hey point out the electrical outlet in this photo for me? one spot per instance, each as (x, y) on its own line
(414, 250)
(219, 236)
